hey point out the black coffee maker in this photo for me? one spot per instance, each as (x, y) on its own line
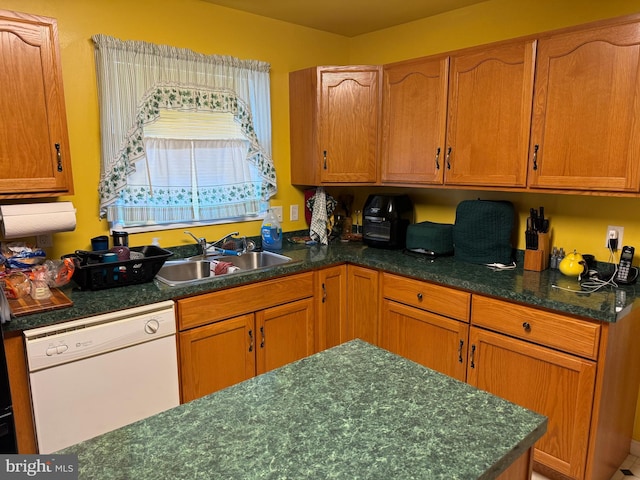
(385, 220)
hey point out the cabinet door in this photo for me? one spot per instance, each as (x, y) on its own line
(216, 356)
(349, 118)
(554, 384)
(363, 304)
(414, 116)
(331, 307)
(585, 132)
(34, 145)
(490, 98)
(431, 340)
(284, 334)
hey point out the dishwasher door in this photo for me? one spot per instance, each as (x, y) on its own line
(94, 375)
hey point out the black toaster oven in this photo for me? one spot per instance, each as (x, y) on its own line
(385, 220)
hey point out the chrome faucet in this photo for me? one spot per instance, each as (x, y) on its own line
(202, 242)
(218, 245)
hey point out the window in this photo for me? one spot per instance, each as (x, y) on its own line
(185, 137)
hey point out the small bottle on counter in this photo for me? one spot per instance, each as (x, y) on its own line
(553, 261)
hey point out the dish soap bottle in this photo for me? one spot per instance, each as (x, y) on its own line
(271, 232)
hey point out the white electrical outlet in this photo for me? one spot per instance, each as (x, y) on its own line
(44, 241)
(293, 213)
(277, 211)
(615, 232)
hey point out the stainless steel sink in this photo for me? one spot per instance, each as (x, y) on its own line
(255, 260)
(198, 269)
(178, 272)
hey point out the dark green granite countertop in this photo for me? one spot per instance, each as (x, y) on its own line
(532, 288)
(354, 411)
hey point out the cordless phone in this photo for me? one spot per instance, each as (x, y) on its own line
(626, 273)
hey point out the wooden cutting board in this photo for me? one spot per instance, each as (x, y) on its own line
(28, 305)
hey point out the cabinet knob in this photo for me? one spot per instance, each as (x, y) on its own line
(262, 334)
(438, 159)
(535, 156)
(448, 159)
(324, 293)
(419, 296)
(251, 340)
(460, 351)
(526, 326)
(324, 157)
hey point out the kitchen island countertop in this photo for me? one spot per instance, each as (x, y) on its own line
(353, 411)
(527, 287)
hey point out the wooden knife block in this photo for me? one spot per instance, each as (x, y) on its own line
(538, 260)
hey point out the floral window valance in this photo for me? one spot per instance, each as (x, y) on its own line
(137, 80)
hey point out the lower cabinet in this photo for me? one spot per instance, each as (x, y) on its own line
(434, 341)
(347, 305)
(363, 302)
(331, 307)
(583, 375)
(228, 336)
(555, 384)
(426, 323)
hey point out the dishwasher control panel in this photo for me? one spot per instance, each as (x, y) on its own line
(71, 341)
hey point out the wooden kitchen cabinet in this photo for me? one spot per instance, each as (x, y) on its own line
(414, 117)
(363, 301)
(230, 335)
(426, 323)
(217, 356)
(334, 122)
(34, 145)
(555, 384)
(582, 375)
(489, 115)
(585, 133)
(331, 307)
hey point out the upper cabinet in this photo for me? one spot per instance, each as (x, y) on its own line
(586, 118)
(334, 122)
(486, 120)
(557, 112)
(489, 115)
(414, 117)
(34, 144)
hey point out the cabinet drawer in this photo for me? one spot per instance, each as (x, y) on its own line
(214, 306)
(427, 296)
(544, 328)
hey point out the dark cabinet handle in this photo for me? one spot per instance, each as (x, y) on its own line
(262, 334)
(526, 326)
(419, 296)
(448, 159)
(58, 156)
(438, 159)
(473, 355)
(535, 156)
(460, 351)
(324, 293)
(324, 157)
(251, 340)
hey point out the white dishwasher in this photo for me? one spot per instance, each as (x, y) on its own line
(96, 374)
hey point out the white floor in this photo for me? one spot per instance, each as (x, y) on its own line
(631, 464)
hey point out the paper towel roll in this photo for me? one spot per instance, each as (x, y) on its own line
(27, 220)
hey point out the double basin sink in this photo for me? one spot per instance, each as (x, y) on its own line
(200, 269)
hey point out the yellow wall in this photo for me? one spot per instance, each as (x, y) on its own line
(578, 222)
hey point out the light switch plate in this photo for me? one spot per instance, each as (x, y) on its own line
(293, 213)
(277, 211)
